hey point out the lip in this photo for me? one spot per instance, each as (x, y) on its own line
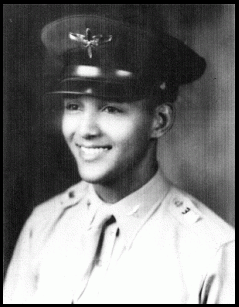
(93, 152)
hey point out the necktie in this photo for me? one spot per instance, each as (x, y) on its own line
(92, 241)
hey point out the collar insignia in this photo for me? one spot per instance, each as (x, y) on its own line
(88, 41)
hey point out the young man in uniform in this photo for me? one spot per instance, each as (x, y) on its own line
(124, 234)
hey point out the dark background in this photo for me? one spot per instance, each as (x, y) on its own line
(197, 154)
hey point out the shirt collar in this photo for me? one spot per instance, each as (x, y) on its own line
(134, 210)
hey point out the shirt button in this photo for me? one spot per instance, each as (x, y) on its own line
(71, 194)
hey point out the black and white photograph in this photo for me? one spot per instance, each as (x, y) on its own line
(118, 153)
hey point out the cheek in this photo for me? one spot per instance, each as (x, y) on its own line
(69, 126)
(140, 133)
(129, 132)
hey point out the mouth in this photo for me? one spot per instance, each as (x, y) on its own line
(93, 152)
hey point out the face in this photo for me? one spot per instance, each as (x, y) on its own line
(107, 138)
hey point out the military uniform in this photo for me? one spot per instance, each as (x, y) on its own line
(171, 249)
(162, 245)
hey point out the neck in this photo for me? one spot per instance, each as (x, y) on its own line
(127, 183)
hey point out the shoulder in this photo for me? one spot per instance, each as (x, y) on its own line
(40, 224)
(194, 218)
(50, 210)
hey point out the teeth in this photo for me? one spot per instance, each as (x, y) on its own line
(93, 151)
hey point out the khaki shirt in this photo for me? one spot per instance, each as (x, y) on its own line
(172, 249)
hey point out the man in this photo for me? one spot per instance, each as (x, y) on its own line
(124, 234)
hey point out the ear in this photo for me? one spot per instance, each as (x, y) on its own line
(163, 119)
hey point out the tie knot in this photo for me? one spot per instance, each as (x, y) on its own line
(110, 221)
(102, 219)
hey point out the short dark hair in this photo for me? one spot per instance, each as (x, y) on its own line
(160, 96)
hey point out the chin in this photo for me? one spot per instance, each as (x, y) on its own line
(92, 176)
(96, 175)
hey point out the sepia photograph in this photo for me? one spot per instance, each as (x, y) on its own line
(118, 153)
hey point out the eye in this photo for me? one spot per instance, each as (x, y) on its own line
(72, 106)
(112, 110)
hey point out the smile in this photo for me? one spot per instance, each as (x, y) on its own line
(92, 153)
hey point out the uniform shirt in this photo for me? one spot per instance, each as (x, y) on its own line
(170, 249)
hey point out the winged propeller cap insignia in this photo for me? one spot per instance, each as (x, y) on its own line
(88, 41)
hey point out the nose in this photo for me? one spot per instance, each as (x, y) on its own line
(89, 126)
